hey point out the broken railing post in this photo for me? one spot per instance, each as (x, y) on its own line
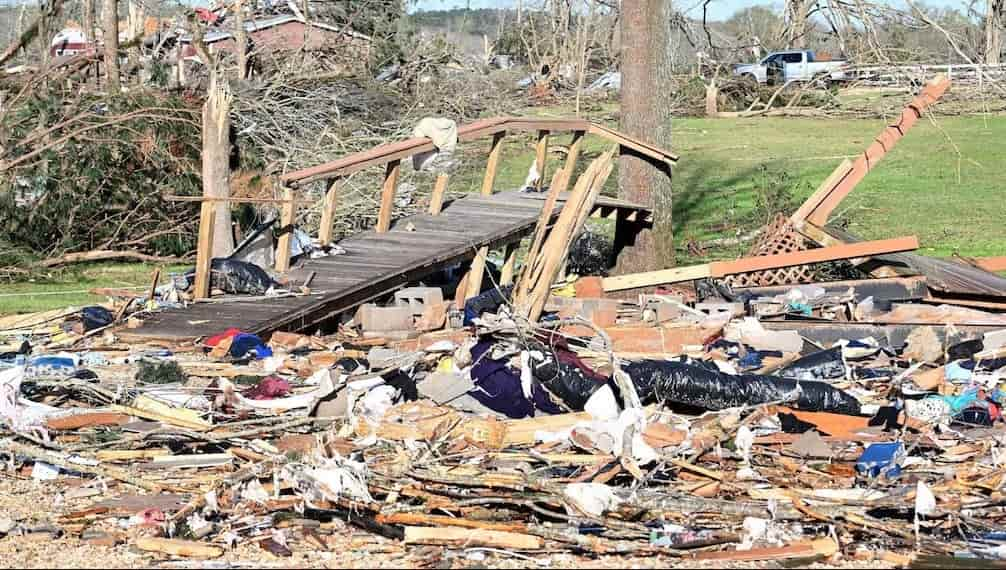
(328, 214)
(541, 157)
(204, 249)
(509, 263)
(388, 196)
(286, 219)
(493, 164)
(437, 198)
(476, 272)
(573, 154)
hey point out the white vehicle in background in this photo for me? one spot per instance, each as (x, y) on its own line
(792, 65)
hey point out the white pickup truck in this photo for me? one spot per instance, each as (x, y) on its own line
(794, 65)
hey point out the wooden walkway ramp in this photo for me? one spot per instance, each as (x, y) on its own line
(374, 265)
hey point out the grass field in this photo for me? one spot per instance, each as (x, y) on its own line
(945, 182)
(71, 287)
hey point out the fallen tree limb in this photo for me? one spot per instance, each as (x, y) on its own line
(105, 254)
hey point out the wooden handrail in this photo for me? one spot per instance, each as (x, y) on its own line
(400, 150)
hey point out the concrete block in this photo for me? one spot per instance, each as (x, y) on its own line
(384, 319)
(418, 298)
(662, 309)
(714, 308)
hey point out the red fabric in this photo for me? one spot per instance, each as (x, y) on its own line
(206, 15)
(229, 333)
(269, 388)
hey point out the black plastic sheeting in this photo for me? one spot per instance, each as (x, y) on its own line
(96, 317)
(236, 277)
(661, 381)
(571, 384)
(821, 365)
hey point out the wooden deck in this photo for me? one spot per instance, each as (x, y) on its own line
(374, 265)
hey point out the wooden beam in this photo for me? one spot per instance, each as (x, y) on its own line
(760, 263)
(541, 158)
(233, 200)
(651, 278)
(844, 179)
(573, 154)
(496, 126)
(437, 198)
(328, 213)
(510, 262)
(494, 158)
(204, 249)
(286, 218)
(388, 195)
(476, 272)
(991, 263)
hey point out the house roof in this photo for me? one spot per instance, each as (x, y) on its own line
(257, 24)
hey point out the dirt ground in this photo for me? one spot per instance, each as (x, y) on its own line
(37, 506)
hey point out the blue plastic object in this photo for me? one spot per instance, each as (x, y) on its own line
(881, 459)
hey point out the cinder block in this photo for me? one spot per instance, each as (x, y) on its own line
(384, 319)
(714, 308)
(418, 298)
(662, 309)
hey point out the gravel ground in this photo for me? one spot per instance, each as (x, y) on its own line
(37, 505)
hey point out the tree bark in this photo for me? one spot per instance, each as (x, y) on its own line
(646, 102)
(216, 162)
(110, 27)
(241, 39)
(993, 30)
(796, 14)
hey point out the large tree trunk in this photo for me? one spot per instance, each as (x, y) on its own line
(646, 102)
(993, 28)
(88, 8)
(216, 162)
(110, 28)
(241, 39)
(796, 14)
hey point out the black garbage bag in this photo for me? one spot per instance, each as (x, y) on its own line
(565, 381)
(589, 254)
(96, 317)
(488, 301)
(821, 365)
(661, 381)
(236, 277)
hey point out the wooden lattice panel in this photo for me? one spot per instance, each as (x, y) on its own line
(776, 238)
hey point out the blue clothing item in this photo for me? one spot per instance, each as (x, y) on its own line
(753, 359)
(498, 387)
(881, 459)
(243, 343)
(802, 308)
(50, 366)
(954, 371)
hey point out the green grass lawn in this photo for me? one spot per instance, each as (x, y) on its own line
(944, 183)
(70, 287)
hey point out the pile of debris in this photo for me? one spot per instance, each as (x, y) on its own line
(728, 412)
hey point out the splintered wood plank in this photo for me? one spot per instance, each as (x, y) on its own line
(388, 195)
(328, 213)
(286, 219)
(204, 249)
(510, 262)
(437, 198)
(541, 158)
(493, 164)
